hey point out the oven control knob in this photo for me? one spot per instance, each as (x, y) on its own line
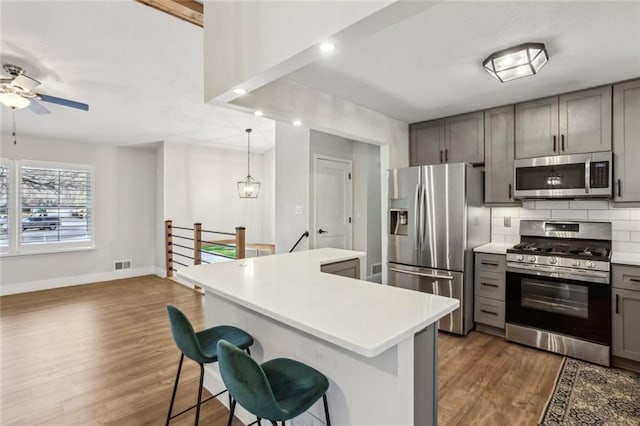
(552, 260)
(575, 263)
(590, 264)
(520, 258)
(531, 259)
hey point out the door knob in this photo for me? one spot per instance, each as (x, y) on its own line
(322, 231)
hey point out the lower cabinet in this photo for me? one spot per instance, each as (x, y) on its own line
(625, 299)
(489, 289)
(346, 268)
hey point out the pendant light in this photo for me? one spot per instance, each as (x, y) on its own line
(248, 187)
(515, 62)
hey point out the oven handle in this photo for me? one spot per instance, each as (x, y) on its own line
(617, 298)
(422, 274)
(599, 278)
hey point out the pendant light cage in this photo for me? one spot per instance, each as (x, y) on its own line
(516, 62)
(248, 187)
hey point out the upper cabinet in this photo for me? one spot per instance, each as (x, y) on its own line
(575, 123)
(498, 140)
(452, 140)
(626, 141)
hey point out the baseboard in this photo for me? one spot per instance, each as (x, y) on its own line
(59, 282)
(490, 330)
(627, 364)
(375, 278)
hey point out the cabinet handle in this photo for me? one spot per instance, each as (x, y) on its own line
(619, 188)
(488, 312)
(488, 263)
(441, 156)
(617, 298)
(509, 191)
(446, 155)
(635, 280)
(562, 142)
(489, 284)
(554, 143)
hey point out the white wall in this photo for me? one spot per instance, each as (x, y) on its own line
(625, 220)
(292, 186)
(124, 220)
(200, 185)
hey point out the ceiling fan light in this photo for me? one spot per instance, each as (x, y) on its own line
(14, 100)
(516, 62)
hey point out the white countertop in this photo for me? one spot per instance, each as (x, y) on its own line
(493, 248)
(360, 316)
(625, 258)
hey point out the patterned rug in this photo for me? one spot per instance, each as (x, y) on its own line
(587, 394)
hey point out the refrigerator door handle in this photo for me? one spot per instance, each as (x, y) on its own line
(422, 274)
(423, 217)
(416, 218)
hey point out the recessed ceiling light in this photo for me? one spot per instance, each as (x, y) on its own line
(297, 123)
(258, 113)
(240, 91)
(327, 47)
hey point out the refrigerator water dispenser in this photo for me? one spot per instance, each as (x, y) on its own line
(399, 222)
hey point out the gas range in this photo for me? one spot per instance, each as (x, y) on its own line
(577, 250)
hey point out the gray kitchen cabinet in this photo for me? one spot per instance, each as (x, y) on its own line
(625, 299)
(536, 128)
(489, 292)
(346, 268)
(427, 142)
(574, 123)
(585, 121)
(626, 141)
(464, 138)
(451, 140)
(498, 154)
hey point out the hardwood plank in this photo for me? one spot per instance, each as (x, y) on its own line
(103, 354)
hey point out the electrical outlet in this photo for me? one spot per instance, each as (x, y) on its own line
(507, 222)
(299, 210)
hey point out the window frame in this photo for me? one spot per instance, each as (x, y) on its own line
(16, 247)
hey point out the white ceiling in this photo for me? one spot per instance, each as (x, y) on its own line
(429, 65)
(140, 70)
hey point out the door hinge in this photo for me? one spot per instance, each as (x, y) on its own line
(349, 176)
(349, 219)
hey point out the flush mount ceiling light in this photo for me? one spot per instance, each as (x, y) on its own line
(297, 123)
(327, 47)
(240, 91)
(258, 113)
(515, 62)
(248, 187)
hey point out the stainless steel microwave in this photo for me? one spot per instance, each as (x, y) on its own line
(564, 176)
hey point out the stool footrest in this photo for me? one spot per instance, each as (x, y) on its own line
(194, 405)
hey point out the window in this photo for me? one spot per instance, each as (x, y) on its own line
(51, 210)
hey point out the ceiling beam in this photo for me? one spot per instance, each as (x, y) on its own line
(187, 10)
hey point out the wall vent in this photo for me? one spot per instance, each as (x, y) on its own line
(376, 268)
(122, 264)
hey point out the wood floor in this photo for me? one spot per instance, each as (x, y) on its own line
(103, 354)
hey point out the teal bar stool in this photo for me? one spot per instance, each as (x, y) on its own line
(277, 390)
(202, 348)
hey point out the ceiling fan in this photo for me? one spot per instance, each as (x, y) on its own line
(16, 92)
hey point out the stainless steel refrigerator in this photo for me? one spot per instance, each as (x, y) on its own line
(436, 217)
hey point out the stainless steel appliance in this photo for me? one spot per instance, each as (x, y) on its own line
(564, 176)
(436, 218)
(558, 293)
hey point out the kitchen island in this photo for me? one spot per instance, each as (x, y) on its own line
(376, 344)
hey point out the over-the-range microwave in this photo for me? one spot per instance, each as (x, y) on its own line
(564, 176)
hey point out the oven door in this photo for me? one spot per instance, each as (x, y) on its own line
(559, 305)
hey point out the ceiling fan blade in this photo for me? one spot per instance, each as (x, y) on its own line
(37, 107)
(26, 82)
(63, 102)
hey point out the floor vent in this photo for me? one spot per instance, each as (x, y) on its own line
(123, 264)
(376, 268)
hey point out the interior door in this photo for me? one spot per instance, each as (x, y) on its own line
(333, 203)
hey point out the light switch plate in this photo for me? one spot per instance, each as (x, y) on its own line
(507, 222)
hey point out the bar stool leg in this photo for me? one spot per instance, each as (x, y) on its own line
(175, 388)
(199, 393)
(232, 409)
(326, 409)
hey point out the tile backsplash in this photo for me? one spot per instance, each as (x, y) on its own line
(625, 221)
